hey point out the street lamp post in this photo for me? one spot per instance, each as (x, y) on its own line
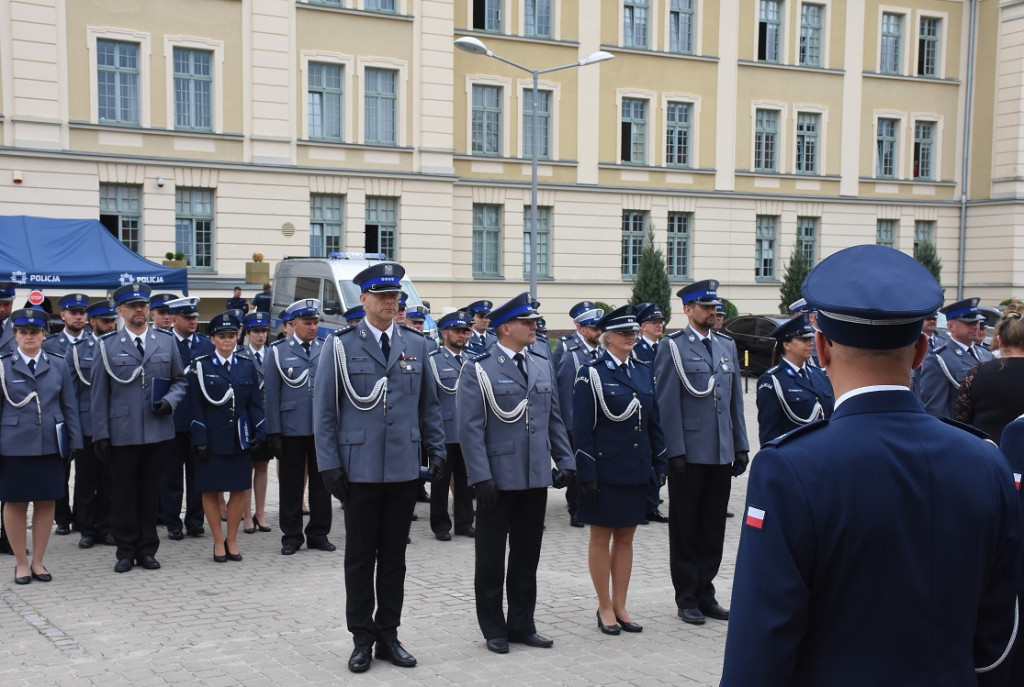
(476, 47)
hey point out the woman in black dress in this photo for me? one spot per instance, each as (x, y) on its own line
(227, 428)
(992, 393)
(618, 440)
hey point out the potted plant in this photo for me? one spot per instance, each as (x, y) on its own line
(257, 271)
(174, 259)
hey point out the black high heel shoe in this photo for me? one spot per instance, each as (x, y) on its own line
(260, 526)
(232, 556)
(629, 626)
(223, 558)
(607, 629)
(250, 530)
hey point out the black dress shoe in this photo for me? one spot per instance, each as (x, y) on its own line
(196, 531)
(222, 558)
(574, 521)
(656, 516)
(714, 610)
(149, 562)
(362, 656)
(415, 517)
(629, 626)
(42, 577)
(124, 565)
(498, 645)
(322, 544)
(392, 650)
(535, 640)
(21, 580)
(233, 556)
(442, 536)
(289, 548)
(108, 540)
(607, 629)
(692, 616)
(63, 530)
(86, 542)
(466, 532)
(176, 535)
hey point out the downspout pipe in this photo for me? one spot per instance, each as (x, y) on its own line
(966, 153)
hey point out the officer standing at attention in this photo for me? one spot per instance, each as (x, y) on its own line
(576, 338)
(159, 312)
(700, 399)
(179, 461)
(510, 428)
(481, 340)
(257, 327)
(931, 324)
(938, 380)
(135, 387)
(872, 552)
(7, 343)
(288, 384)
(652, 328)
(354, 315)
(445, 367)
(373, 409)
(542, 346)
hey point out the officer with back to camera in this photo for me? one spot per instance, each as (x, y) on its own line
(374, 407)
(883, 546)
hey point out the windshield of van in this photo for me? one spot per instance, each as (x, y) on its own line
(350, 293)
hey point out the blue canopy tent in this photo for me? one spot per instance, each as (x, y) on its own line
(38, 252)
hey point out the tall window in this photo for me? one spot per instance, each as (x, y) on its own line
(325, 224)
(807, 126)
(543, 124)
(924, 232)
(487, 15)
(381, 5)
(325, 101)
(677, 136)
(486, 120)
(766, 132)
(810, 34)
(543, 234)
(486, 240)
(634, 131)
(892, 43)
(117, 81)
(888, 144)
(381, 226)
(924, 147)
(680, 26)
(538, 18)
(193, 89)
(807, 238)
(769, 31)
(193, 226)
(381, 93)
(928, 47)
(121, 213)
(634, 227)
(335, 3)
(885, 234)
(764, 248)
(677, 258)
(634, 23)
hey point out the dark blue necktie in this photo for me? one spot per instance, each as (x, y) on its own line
(32, 367)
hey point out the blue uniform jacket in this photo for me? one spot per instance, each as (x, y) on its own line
(475, 346)
(217, 426)
(32, 429)
(643, 351)
(616, 452)
(937, 391)
(201, 345)
(799, 394)
(880, 547)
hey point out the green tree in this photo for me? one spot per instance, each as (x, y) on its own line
(925, 253)
(796, 271)
(651, 284)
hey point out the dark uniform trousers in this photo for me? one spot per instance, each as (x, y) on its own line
(300, 454)
(62, 514)
(697, 531)
(92, 494)
(455, 467)
(377, 520)
(135, 479)
(180, 456)
(519, 518)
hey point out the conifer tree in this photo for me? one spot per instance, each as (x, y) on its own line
(796, 271)
(925, 253)
(651, 284)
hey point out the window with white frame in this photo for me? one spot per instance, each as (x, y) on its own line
(928, 47)
(807, 238)
(543, 124)
(924, 232)
(326, 224)
(381, 105)
(193, 89)
(766, 133)
(634, 23)
(117, 65)
(808, 127)
(885, 233)
(537, 19)
(121, 213)
(924, 148)
(486, 139)
(543, 236)
(769, 31)
(381, 226)
(487, 15)
(325, 101)
(681, 26)
(193, 226)
(892, 43)
(811, 20)
(382, 5)
(764, 247)
(677, 254)
(634, 228)
(634, 131)
(887, 145)
(486, 240)
(678, 118)
(332, 3)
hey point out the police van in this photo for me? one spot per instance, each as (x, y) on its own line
(330, 280)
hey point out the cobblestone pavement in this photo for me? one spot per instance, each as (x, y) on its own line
(279, 620)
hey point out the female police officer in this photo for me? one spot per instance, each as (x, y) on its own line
(617, 439)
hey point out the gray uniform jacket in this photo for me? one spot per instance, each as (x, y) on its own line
(444, 369)
(124, 413)
(81, 359)
(7, 342)
(287, 388)
(935, 388)
(516, 455)
(708, 430)
(32, 429)
(568, 365)
(59, 344)
(376, 440)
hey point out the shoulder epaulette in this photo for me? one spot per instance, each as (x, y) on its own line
(204, 356)
(479, 356)
(940, 349)
(723, 336)
(277, 342)
(164, 331)
(55, 355)
(675, 334)
(574, 347)
(793, 433)
(343, 330)
(113, 333)
(967, 428)
(645, 363)
(436, 351)
(566, 337)
(539, 355)
(771, 370)
(50, 336)
(243, 356)
(411, 329)
(8, 354)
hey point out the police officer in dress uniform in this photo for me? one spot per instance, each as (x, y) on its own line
(935, 339)
(92, 478)
(481, 340)
(801, 307)
(375, 406)
(137, 383)
(793, 393)
(872, 552)
(257, 328)
(445, 365)
(651, 321)
(510, 428)
(1011, 443)
(7, 343)
(700, 399)
(563, 343)
(289, 374)
(354, 315)
(938, 380)
(159, 312)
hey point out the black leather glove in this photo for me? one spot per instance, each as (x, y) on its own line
(202, 452)
(74, 454)
(677, 466)
(562, 478)
(662, 479)
(101, 449)
(435, 469)
(590, 491)
(486, 494)
(739, 466)
(163, 407)
(274, 444)
(336, 482)
(257, 449)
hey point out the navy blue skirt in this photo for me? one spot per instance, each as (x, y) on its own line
(224, 473)
(618, 505)
(31, 478)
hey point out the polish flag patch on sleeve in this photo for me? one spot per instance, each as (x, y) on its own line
(1016, 480)
(755, 518)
